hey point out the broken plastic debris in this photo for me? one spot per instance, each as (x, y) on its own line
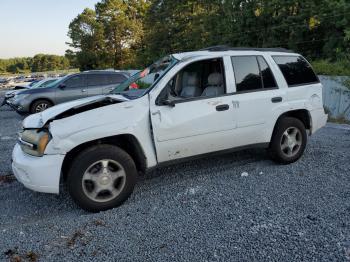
(244, 174)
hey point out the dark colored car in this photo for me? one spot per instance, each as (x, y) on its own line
(68, 88)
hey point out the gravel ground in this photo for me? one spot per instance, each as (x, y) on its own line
(204, 210)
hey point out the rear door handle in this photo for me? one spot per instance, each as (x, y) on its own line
(222, 108)
(277, 99)
(84, 90)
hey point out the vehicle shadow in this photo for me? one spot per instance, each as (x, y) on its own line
(31, 206)
(210, 163)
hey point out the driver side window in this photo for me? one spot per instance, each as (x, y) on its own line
(200, 79)
(75, 81)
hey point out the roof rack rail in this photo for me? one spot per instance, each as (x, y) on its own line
(220, 48)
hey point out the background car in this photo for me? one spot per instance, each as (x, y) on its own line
(71, 87)
(35, 84)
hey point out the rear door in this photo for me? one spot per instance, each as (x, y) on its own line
(71, 89)
(257, 99)
(96, 83)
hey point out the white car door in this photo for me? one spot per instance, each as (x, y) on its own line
(258, 99)
(193, 126)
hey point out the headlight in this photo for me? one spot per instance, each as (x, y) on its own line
(34, 141)
(8, 95)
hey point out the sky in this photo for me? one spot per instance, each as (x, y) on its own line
(29, 27)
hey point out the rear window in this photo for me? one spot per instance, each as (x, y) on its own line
(296, 70)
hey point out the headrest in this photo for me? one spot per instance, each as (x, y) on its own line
(190, 79)
(215, 79)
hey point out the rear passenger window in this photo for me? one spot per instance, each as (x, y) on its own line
(247, 73)
(252, 73)
(97, 80)
(116, 78)
(296, 70)
(266, 74)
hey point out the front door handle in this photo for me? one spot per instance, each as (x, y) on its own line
(84, 90)
(277, 99)
(222, 107)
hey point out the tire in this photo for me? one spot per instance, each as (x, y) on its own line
(288, 141)
(90, 181)
(40, 105)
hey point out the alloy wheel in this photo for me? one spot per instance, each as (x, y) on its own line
(291, 141)
(104, 180)
(41, 107)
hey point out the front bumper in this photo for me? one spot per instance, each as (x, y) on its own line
(4, 102)
(17, 107)
(41, 174)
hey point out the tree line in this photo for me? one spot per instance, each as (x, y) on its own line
(133, 33)
(38, 63)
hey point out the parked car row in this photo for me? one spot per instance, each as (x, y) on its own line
(191, 104)
(35, 84)
(49, 92)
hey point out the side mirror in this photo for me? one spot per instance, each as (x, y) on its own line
(62, 86)
(168, 103)
(156, 77)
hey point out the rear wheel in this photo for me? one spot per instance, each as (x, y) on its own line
(288, 141)
(101, 177)
(40, 105)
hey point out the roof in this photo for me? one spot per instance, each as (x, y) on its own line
(227, 50)
(221, 48)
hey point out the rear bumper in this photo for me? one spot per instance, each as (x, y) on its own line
(41, 174)
(319, 119)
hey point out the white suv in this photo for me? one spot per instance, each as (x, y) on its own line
(190, 104)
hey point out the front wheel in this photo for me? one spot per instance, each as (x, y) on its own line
(101, 177)
(288, 140)
(39, 106)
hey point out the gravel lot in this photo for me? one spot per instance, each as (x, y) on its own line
(204, 210)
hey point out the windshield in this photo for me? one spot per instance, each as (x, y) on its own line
(59, 80)
(141, 82)
(42, 83)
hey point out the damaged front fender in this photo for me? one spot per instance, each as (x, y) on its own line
(64, 110)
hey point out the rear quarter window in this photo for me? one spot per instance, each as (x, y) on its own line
(296, 70)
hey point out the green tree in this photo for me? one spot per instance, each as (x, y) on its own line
(87, 37)
(123, 28)
(110, 35)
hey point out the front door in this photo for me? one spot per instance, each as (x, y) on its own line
(198, 115)
(71, 89)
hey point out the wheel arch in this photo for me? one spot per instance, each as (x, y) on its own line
(127, 142)
(301, 114)
(41, 98)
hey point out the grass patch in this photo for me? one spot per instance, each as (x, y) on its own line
(325, 67)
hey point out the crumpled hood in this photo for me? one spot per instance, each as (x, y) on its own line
(12, 93)
(38, 120)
